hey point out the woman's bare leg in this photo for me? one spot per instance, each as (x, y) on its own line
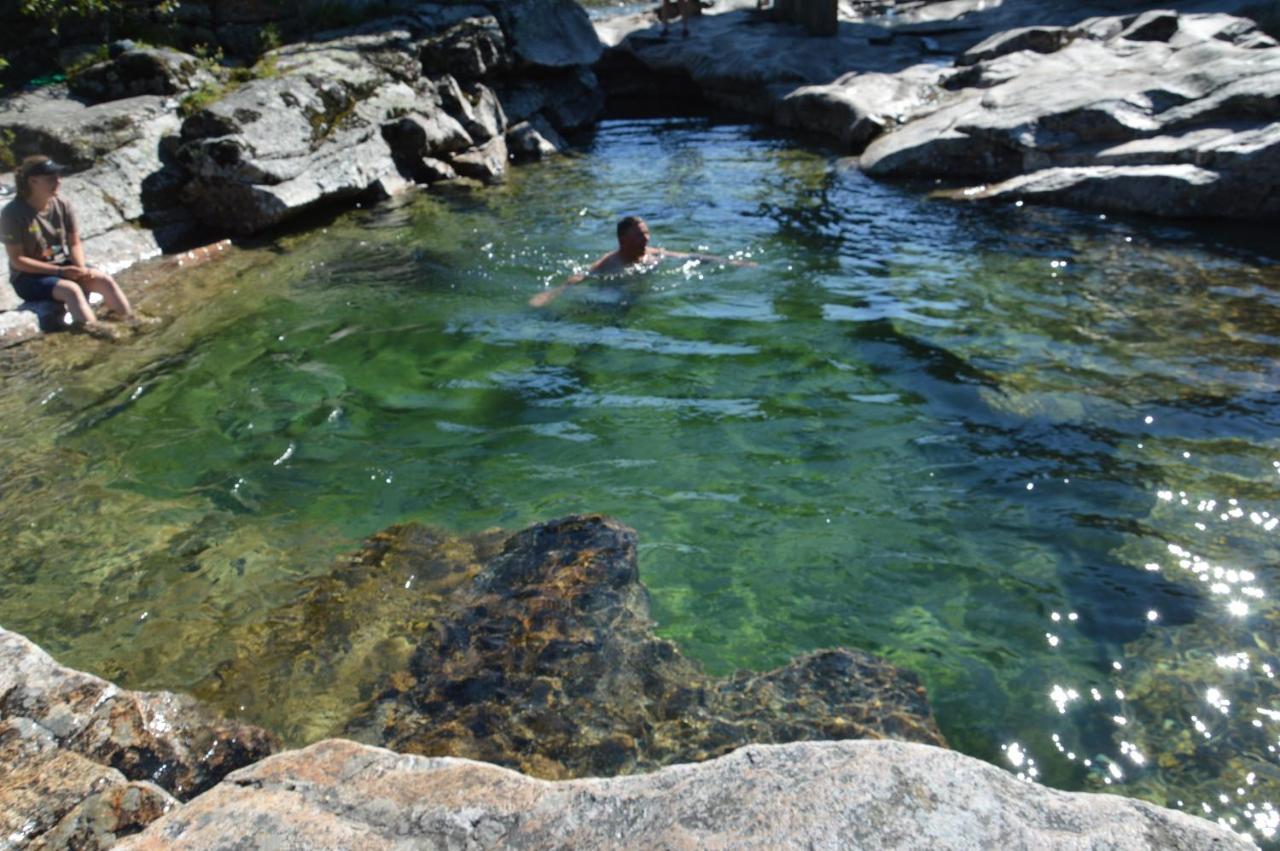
(100, 282)
(70, 294)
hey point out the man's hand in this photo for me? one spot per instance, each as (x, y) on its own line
(79, 274)
(545, 297)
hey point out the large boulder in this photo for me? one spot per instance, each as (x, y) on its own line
(471, 49)
(570, 99)
(85, 761)
(858, 107)
(77, 135)
(486, 163)
(312, 132)
(1159, 113)
(533, 139)
(549, 33)
(1037, 39)
(338, 795)
(477, 109)
(141, 71)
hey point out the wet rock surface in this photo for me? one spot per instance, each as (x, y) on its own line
(546, 661)
(338, 794)
(85, 761)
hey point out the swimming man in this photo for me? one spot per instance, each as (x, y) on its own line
(634, 253)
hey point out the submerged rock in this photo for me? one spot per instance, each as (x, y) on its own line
(349, 631)
(85, 761)
(546, 661)
(339, 795)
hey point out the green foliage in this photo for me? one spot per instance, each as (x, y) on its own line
(268, 39)
(234, 79)
(8, 159)
(87, 59)
(200, 98)
(213, 55)
(54, 12)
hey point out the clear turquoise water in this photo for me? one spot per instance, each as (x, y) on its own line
(957, 436)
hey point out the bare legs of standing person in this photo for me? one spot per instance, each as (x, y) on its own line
(667, 8)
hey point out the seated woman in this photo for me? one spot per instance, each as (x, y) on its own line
(46, 257)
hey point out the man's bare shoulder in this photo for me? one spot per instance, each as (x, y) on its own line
(610, 264)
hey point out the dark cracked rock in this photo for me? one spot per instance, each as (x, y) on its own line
(83, 761)
(546, 661)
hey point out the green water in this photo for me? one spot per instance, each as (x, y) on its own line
(957, 436)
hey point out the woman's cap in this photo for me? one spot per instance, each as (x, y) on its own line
(35, 166)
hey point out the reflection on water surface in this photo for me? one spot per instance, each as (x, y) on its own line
(1028, 453)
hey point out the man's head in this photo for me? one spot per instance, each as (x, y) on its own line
(37, 172)
(633, 236)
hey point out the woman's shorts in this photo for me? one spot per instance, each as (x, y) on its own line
(31, 287)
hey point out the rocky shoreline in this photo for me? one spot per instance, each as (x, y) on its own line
(535, 652)
(85, 762)
(1168, 112)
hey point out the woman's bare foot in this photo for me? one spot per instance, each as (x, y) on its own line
(97, 330)
(139, 321)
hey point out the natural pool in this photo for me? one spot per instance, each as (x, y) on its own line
(1029, 453)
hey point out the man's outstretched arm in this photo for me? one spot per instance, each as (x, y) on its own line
(547, 296)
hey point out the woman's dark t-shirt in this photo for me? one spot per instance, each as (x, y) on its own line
(43, 236)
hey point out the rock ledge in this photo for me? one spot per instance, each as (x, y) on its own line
(338, 794)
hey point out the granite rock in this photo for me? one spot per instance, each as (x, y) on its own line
(55, 798)
(487, 163)
(337, 795)
(471, 49)
(1158, 113)
(1061, 93)
(549, 33)
(141, 71)
(858, 107)
(533, 139)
